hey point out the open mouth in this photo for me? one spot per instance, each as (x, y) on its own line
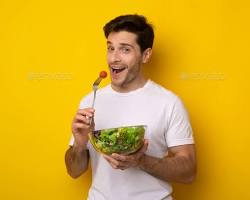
(117, 70)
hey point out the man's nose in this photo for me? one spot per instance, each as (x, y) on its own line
(115, 56)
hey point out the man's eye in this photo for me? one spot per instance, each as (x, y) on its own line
(110, 48)
(126, 50)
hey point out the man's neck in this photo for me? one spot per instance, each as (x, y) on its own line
(130, 87)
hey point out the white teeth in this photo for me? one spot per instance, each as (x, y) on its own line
(117, 67)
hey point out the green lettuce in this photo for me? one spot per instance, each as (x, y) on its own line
(120, 140)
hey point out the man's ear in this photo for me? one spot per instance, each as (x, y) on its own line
(146, 55)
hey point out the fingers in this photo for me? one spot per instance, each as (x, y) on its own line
(83, 121)
(86, 112)
(122, 158)
(115, 163)
(118, 161)
(81, 126)
(84, 115)
(126, 160)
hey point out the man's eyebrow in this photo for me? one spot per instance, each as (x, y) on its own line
(122, 44)
(126, 44)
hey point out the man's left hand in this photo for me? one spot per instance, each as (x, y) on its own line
(119, 161)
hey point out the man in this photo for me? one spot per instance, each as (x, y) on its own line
(168, 153)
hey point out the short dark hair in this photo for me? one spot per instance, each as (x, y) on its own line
(136, 24)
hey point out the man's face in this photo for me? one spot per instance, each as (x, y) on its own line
(124, 59)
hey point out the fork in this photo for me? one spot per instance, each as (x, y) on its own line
(102, 75)
(95, 88)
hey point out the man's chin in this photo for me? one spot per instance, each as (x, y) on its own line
(117, 84)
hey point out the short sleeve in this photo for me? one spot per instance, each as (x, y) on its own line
(179, 130)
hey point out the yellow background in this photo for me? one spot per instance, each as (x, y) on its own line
(52, 51)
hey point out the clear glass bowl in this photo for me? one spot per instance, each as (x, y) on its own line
(121, 140)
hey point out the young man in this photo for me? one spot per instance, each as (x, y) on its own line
(168, 153)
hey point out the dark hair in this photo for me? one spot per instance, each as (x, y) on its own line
(136, 24)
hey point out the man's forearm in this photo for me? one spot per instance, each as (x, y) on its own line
(176, 168)
(76, 161)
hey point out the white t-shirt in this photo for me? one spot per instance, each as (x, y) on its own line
(167, 126)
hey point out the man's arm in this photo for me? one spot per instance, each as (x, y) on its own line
(76, 160)
(178, 166)
(77, 156)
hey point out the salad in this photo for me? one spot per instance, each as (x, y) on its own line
(118, 140)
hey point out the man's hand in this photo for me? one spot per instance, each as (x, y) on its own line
(119, 161)
(77, 157)
(82, 124)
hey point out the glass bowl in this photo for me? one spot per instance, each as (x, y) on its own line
(121, 140)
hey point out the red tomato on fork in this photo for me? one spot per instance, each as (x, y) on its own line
(103, 74)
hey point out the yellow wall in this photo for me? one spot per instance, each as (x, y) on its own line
(52, 51)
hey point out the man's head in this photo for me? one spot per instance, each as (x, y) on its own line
(129, 45)
(136, 24)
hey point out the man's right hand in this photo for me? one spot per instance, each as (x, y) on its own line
(83, 123)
